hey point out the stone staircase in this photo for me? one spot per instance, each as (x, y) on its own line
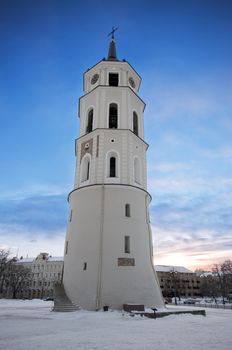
(61, 302)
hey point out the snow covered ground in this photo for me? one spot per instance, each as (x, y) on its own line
(30, 325)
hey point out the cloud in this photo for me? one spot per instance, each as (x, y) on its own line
(18, 240)
(195, 186)
(35, 190)
(224, 152)
(174, 97)
(201, 249)
(33, 221)
(192, 229)
(193, 211)
(44, 213)
(191, 220)
(167, 167)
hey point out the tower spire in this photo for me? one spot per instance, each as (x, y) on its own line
(112, 55)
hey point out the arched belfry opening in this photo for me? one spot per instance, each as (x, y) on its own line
(135, 124)
(112, 170)
(113, 116)
(112, 167)
(89, 126)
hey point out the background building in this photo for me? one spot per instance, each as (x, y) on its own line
(45, 270)
(35, 278)
(179, 281)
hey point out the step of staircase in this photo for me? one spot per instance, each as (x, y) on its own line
(61, 302)
(69, 308)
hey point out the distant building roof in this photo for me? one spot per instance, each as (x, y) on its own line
(56, 258)
(208, 273)
(25, 260)
(167, 268)
(31, 260)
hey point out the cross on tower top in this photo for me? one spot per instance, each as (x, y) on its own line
(112, 32)
(112, 48)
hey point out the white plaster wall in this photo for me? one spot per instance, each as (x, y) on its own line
(96, 236)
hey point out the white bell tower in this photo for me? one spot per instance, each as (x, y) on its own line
(108, 247)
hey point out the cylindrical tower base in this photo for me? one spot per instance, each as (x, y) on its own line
(108, 254)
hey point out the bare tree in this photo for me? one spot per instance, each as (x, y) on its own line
(224, 276)
(209, 285)
(16, 279)
(4, 264)
(175, 284)
(226, 270)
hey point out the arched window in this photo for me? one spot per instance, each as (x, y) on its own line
(85, 168)
(137, 171)
(113, 116)
(89, 126)
(112, 167)
(135, 124)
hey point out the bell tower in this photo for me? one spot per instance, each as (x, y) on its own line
(108, 246)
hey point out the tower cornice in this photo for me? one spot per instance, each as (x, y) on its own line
(110, 87)
(110, 184)
(112, 62)
(118, 62)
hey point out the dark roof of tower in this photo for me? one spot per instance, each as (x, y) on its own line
(112, 55)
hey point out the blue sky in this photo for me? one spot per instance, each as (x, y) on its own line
(183, 51)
